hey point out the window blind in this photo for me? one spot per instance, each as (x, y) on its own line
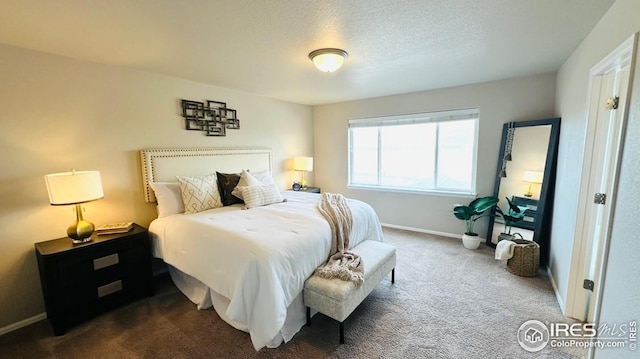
(442, 116)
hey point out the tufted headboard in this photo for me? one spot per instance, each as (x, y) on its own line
(164, 164)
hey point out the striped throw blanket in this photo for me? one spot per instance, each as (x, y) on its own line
(342, 264)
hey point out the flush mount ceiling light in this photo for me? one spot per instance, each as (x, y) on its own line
(328, 60)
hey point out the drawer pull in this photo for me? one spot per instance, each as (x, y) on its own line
(106, 261)
(109, 288)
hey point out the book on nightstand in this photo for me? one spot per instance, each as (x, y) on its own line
(114, 228)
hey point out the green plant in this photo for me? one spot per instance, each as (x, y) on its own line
(514, 214)
(474, 211)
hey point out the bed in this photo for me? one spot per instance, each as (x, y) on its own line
(249, 264)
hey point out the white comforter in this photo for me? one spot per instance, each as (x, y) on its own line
(257, 258)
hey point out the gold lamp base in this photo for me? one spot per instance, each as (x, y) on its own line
(528, 193)
(81, 231)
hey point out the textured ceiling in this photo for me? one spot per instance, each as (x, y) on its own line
(261, 46)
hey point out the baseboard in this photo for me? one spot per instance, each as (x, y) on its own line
(556, 291)
(23, 323)
(420, 230)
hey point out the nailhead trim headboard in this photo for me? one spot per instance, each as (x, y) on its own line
(164, 164)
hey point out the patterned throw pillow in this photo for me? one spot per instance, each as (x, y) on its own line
(226, 183)
(246, 179)
(199, 193)
(256, 196)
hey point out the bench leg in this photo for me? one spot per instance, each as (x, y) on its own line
(308, 317)
(341, 333)
(393, 275)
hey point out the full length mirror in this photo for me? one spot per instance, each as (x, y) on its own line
(526, 176)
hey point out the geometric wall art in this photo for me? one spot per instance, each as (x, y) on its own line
(212, 117)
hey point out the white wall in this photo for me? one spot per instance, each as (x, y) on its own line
(620, 22)
(526, 98)
(57, 113)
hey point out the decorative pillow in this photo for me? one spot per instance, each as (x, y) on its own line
(256, 196)
(246, 179)
(168, 198)
(199, 193)
(226, 183)
(263, 176)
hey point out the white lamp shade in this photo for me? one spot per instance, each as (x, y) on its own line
(303, 163)
(73, 187)
(532, 176)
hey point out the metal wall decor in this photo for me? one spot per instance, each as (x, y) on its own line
(212, 117)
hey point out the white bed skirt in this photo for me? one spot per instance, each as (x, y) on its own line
(204, 298)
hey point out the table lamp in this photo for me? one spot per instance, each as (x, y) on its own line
(75, 187)
(303, 164)
(531, 177)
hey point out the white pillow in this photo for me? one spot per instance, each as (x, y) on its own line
(256, 196)
(246, 179)
(168, 197)
(199, 193)
(263, 176)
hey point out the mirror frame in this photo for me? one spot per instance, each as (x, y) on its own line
(542, 231)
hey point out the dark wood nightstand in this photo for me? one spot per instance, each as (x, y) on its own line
(531, 213)
(311, 189)
(80, 281)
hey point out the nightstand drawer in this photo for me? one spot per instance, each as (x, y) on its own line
(81, 304)
(92, 294)
(530, 214)
(100, 266)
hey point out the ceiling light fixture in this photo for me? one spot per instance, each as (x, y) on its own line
(328, 60)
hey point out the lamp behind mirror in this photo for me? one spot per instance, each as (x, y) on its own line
(532, 177)
(75, 188)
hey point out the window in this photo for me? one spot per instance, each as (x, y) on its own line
(427, 152)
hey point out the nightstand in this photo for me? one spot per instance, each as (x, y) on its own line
(531, 213)
(80, 281)
(311, 189)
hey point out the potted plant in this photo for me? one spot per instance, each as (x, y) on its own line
(514, 214)
(470, 214)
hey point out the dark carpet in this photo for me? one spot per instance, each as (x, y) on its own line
(447, 302)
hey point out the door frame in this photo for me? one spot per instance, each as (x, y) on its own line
(574, 305)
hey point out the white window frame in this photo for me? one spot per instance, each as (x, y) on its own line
(427, 117)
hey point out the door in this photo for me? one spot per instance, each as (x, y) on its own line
(605, 130)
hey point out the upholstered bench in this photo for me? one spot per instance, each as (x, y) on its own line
(336, 298)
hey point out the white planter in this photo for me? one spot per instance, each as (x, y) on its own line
(471, 242)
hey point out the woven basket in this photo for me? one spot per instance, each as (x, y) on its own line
(526, 258)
